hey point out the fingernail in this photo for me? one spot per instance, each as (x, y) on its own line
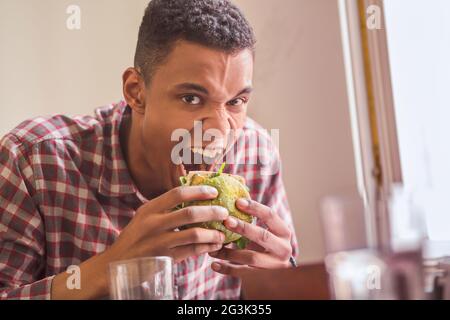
(243, 202)
(215, 266)
(222, 238)
(221, 210)
(209, 190)
(232, 222)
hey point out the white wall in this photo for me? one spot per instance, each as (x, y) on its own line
(46, 68)
(300, 82)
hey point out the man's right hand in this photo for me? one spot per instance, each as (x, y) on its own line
(152, 232)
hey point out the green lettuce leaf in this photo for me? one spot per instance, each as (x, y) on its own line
(242, 242)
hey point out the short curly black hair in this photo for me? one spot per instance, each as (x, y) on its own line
(218, 24)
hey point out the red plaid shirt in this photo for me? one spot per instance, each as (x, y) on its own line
(66, 194)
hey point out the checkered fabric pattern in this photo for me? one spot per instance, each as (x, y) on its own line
(66, 194)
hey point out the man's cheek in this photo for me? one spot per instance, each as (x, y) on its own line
(238, 121)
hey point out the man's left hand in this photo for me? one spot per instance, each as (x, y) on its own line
(268, 249)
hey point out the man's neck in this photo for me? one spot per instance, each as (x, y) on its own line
(145, 177)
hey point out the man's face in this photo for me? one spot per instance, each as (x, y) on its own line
(195, 83)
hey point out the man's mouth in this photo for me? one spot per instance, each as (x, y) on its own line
(202, 159)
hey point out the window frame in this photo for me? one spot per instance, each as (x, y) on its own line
(371, 104)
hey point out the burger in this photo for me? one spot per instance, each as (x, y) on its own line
(230, 188)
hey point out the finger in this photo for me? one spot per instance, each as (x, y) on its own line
(176, 196)
(194, 236)
(231, 270)
(183, 252)
(266, 214)
(260, 236)
(255, 247)
(250, 258)
(194, 214)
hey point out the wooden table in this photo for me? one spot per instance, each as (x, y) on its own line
(307, 282)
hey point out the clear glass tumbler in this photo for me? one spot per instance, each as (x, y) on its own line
(142, 279)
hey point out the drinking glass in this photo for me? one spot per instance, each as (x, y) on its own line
(141, 279)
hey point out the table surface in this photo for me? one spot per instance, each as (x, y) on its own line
(308, 282)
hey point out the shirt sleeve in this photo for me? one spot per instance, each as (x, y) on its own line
(22, 236)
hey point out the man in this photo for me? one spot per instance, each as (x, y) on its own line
(87, 191)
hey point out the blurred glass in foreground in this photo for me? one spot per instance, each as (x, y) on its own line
(142, 279)
(359, 272)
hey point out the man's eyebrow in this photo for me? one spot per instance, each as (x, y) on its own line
(199, 88)
(192, 86)
(245, 90)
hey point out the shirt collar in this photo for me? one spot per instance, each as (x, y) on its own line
(115, 179)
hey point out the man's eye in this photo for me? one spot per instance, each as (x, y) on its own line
(237, 102)
(191, 99)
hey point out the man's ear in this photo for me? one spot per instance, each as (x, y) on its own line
(134, 90)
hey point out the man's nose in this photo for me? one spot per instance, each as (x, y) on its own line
(217, 122)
